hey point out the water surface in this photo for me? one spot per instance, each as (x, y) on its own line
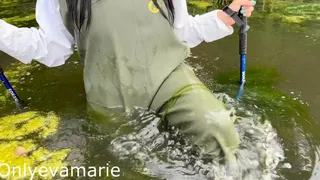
(278, 127)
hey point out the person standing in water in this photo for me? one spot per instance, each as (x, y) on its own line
(133, 54)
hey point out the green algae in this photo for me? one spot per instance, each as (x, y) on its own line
(28, 123)
(16, 71)
(32, 82)
(14, 135)
(288, 114)
(38, 158)
(261, 96)
(290, 12)
(20, 21)
(2, 99)
(260, 91)
(304, 9)
(42, 88)
(15, 127)
(200, 4)
(285, 11)
(20, 13)
(14, 75)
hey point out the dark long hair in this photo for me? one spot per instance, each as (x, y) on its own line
(80, 11)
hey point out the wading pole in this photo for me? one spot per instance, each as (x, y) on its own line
(9, 88)
(243, 53)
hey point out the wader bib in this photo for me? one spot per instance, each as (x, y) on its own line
(133, 58)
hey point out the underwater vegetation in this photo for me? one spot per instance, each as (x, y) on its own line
(24, 136)
(260, 91)
(42, 88)
(291, 12)
(18, 12)
(285, 11)
(288, 114)
(20, 144)
(200, 4)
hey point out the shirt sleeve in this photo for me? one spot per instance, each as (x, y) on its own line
(51, 44)
(195, 29)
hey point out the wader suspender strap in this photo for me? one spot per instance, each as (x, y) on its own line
(154, 96)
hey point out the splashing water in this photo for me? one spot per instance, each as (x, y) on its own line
(163, 155)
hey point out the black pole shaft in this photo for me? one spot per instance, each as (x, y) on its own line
(243, 36)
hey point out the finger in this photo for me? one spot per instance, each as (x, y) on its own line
(249, 9)
(247, 14)
(249, 3)
(246, 10)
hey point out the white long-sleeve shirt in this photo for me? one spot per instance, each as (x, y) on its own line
(52, 44)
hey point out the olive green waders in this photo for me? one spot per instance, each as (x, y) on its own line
(132, 58)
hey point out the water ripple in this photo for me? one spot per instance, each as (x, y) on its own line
(163, 155)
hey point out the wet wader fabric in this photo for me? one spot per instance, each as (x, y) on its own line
(128, 52)
(199, 115)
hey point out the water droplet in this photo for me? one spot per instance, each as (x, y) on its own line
(287, 165)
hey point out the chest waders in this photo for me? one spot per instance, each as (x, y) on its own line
(133, 58)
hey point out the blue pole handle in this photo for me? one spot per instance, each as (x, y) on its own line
(9, 87)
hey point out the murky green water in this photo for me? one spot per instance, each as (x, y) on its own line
(279, 124)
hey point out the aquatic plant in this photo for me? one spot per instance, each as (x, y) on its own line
(290, 12)
(200, 4)
(17, 126)
(15, 74)
(18, 12)
(285, 11)
(288, 114)
(22, 131)
(41, 87)
(2, 99)
(260, 91)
